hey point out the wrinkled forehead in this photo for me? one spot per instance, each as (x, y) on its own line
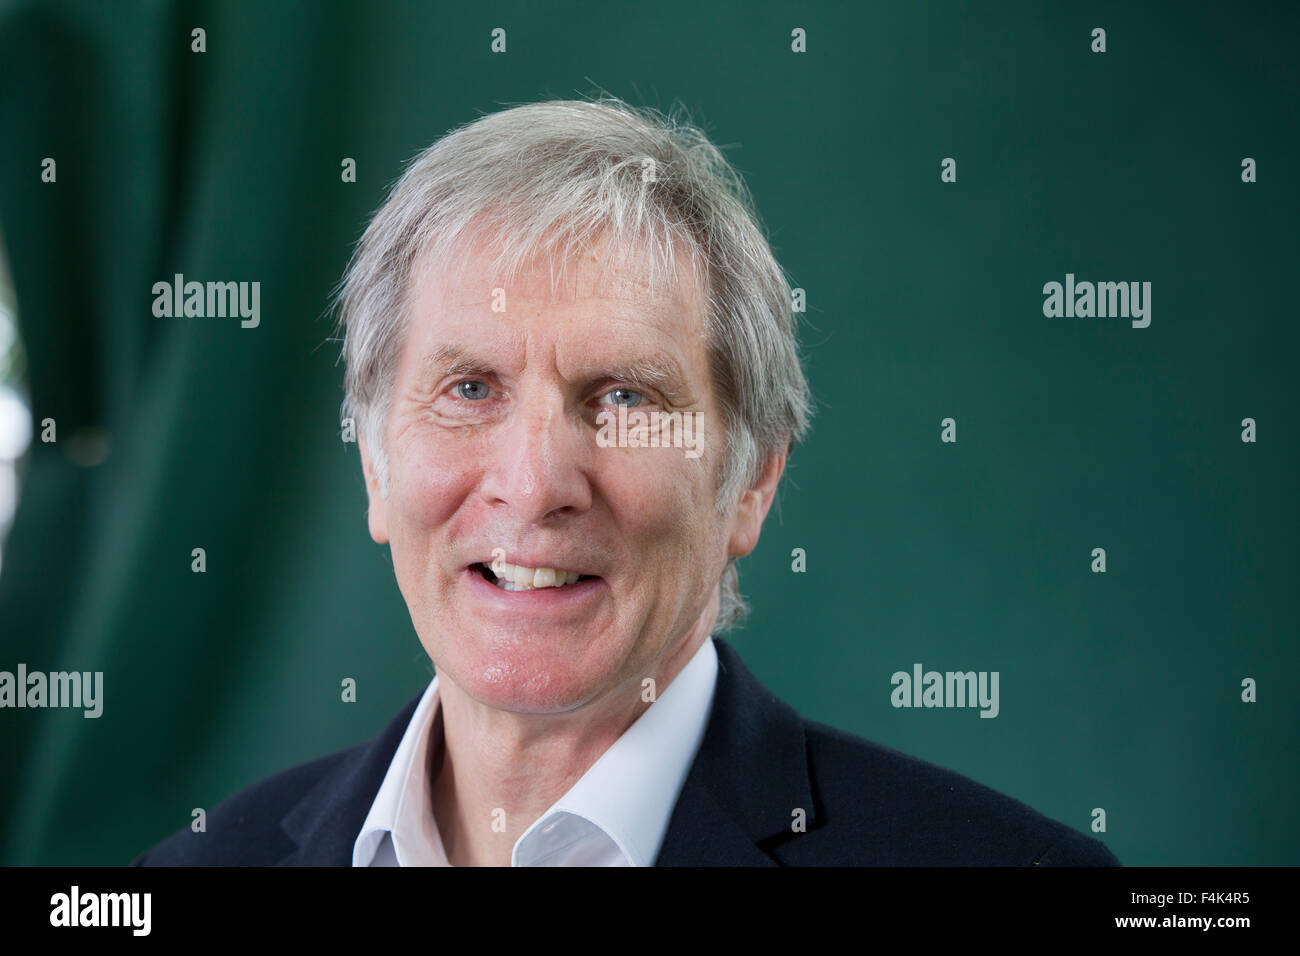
(485, 266)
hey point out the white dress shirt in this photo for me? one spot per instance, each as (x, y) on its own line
(615, 815)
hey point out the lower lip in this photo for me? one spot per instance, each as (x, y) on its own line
(570, 597)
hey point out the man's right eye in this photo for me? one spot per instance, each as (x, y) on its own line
(471, 390)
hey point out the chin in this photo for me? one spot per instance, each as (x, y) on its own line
(524, 677)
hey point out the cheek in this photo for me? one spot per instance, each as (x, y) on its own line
(663, 504)
(429, 481)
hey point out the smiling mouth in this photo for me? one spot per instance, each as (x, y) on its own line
(514, 577)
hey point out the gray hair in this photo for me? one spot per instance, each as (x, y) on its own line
(557, 176)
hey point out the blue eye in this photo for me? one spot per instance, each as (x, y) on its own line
(625, 392)
(472, 390)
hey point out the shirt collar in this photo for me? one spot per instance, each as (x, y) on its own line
(630, 792)
(626, 797)
(403, 806)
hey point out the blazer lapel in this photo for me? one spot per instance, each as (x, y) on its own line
(326, 823)
(740, 798)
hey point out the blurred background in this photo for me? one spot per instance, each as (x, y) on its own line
(1119, 690)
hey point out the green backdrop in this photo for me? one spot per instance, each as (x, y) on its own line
(1118, 690)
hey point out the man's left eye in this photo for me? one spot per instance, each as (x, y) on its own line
(471, 390)
(622, 396)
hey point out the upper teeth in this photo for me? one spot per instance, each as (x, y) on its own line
(516, 577)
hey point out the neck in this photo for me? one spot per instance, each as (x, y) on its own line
(500, 771)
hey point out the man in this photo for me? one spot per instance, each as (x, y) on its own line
(571, 358)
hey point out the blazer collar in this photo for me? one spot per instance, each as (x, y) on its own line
(326, 822)
(750, 776)
(737, 805)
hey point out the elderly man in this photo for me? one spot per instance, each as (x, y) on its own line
(571, 357)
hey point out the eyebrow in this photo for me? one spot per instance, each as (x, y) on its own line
(450, 360)
(659, 372)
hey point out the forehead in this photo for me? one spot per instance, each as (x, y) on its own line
(614, 300)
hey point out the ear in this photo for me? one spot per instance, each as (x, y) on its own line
(753, 507)
(378, 505)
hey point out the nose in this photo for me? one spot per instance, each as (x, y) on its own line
(539, 460)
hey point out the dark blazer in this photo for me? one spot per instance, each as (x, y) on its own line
(759, 761)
